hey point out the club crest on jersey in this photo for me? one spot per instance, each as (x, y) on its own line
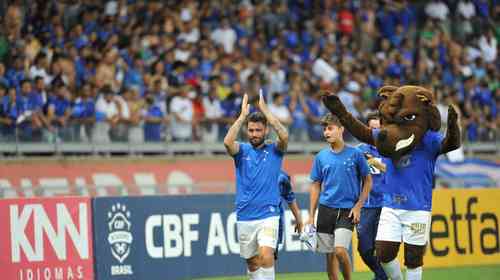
(405, 161)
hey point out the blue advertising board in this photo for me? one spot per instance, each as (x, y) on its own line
(181, 237)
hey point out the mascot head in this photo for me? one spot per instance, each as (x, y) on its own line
(406, 112)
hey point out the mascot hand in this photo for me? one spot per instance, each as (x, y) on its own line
(333, 103)
(452, 115)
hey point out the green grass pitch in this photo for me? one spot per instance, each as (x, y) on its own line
(455, 273)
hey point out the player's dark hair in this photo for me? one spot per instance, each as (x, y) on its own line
(256, 117)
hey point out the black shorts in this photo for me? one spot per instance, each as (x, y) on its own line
(330, 219)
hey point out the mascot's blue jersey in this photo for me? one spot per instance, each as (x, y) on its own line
(257, 172)
(409, 182)
(376, 197)
(340, 175)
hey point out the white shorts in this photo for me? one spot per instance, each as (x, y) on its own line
(257, 233)
(408, 226)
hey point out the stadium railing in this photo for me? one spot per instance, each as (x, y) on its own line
(164, 148)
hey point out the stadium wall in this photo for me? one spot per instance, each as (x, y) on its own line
(132, 177)
(188, 236)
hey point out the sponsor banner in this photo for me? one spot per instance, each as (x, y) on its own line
(45, 239)
(464, 230)
(143, 177)
(181, 237)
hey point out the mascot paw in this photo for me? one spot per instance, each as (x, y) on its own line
(452, 115)
(333, 103)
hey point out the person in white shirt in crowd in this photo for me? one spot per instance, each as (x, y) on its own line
(276, 77)
(349, 97)
(213, 115)
(181, 109)
(279, 109)
(39, 68)
(323, 69)
(189, 29)
(224, 35)
(488, 46)
(466, 9)
(107, 115)
(437, 10)
(120, 132)
(182, 52)
(463, 25)
(136, 121)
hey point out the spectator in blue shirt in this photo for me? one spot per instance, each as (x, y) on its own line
(4, 118)
(83, 114)
(10, 115)
(153, 120)
(59, 112)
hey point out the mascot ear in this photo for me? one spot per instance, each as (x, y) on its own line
(386, 91)
(434, 117)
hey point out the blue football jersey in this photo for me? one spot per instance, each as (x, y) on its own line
(409, 182)
(376, 196)
(257, 173)
(340, 175)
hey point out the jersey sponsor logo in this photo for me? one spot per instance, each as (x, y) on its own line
(418, 228)
(399, 199)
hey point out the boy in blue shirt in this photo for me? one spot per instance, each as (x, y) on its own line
(258, 166)
(341, 182)
(370, 213)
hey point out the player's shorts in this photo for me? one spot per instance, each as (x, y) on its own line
(333, 228)
(257, 233)
(408, 226)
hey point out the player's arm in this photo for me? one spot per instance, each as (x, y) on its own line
(289, 196)
(294, 207)
(372, 161)
(356, 210)
(233, 147)
(452, 139)
(282, 142)
(314, 192)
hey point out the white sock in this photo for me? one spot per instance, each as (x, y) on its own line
(393, 270)
(266, 273)
(253, 275)
(414, 273)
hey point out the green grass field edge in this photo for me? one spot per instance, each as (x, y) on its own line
(489, 272)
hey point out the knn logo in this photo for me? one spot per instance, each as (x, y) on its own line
(34, 249)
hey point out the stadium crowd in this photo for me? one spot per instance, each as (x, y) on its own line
(126, 70)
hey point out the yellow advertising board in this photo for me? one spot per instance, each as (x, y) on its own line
(464, 230)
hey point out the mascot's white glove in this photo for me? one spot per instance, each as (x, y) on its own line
(309, 238)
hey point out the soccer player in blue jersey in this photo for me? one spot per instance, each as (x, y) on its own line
(370, 213)
(288, 197)
(258, 166)
(341, 182)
